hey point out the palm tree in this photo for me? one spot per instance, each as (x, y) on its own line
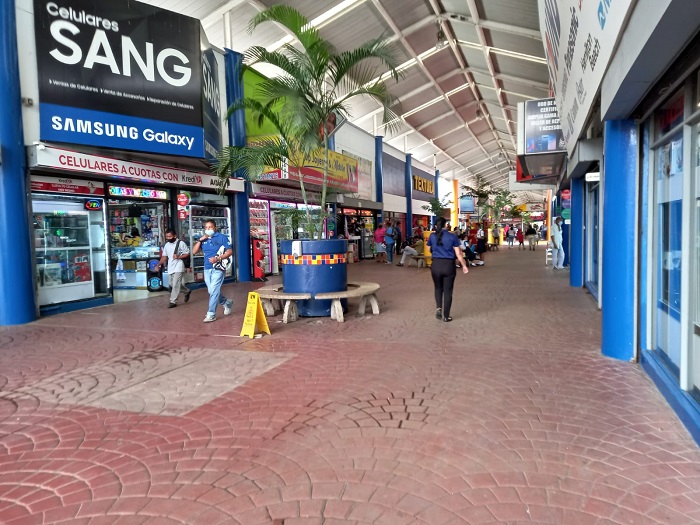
(316, 82)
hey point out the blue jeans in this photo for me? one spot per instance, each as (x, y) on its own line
(390, 251)
(214, 279)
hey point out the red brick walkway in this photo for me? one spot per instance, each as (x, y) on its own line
(136, 414)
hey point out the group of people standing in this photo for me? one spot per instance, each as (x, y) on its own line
(387, 241)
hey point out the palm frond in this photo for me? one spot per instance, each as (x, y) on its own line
(258, 54)
(251, 161)
(292, 20)
(378, 49)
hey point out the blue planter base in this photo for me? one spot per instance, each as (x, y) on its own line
(326, 276)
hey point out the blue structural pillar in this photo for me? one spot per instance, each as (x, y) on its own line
(237, 137)
(619, 218)
(437, 195)
(408, 227)
(17, 298)
(379, 174)
(576, 237)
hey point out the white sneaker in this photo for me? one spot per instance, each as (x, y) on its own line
(210, 318)
(227, 307)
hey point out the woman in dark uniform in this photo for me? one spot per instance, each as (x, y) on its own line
(444, 248)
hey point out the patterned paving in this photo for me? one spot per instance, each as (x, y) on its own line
(137, 414)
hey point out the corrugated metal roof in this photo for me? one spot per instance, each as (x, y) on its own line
(472, 125)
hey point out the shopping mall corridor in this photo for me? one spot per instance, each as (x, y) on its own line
(139, 414)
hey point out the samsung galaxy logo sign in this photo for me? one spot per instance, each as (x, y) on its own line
(147, 60)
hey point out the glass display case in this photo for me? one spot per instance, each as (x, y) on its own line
(260, 237)
(64, 269)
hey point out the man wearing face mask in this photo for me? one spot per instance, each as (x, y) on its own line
(211, 243)
(174, 252)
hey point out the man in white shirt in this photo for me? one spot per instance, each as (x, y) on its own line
(175, 251)
(557, 245)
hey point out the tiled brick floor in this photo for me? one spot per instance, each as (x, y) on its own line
(137, 414)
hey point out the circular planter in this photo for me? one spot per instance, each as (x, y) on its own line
(322, 267)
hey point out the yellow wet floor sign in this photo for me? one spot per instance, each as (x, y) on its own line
(254, 317)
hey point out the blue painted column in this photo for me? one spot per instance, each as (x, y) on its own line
(17, 298)
(237, 137)
(408, 227)
(379, 174)
(576, 233)
(437, 195)
(619, 217)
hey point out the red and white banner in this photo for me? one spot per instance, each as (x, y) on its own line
(67, 185)
(106, 167)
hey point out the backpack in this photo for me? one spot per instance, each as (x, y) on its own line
(188, 261)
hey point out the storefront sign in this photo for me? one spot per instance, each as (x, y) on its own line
(93, 204)
(105, 167)
(593, 176)
(263, 191)
(534, 207)
(543, 132)
(119, 74)
(138, 193)
(66, 185)
(565, 194)
(183, 198)
(423, 185)
(342, 171)
(579, 40)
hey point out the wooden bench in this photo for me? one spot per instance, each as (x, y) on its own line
(365, 291)
(493, 246)
(419, 260)
(272, 297)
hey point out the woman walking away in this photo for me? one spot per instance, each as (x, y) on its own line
(445, 248)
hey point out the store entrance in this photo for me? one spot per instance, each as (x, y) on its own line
(137, 231)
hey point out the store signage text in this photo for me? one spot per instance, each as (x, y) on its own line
(141, 193)
(579, 41)
(424, 185)
(57, 158)
(66, 185)
(543, 133)
(120, 75)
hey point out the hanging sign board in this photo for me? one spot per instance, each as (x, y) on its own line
(66, 185)
(254, 320)
(579, 39)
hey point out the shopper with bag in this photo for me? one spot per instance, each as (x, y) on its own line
(217, 258)
(175, 253)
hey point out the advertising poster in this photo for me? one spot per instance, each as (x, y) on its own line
(466, 204)
(342, 171)
(543, 132)
(579, 39)
(365, 176)
(120, 74)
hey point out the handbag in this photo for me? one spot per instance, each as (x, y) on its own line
(222, 264)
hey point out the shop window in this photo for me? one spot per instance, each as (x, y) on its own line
(669, 115)
(667, 248)
(695, 337)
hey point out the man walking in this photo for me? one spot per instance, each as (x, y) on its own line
(217, 251)
(174, 252)
(557, 245)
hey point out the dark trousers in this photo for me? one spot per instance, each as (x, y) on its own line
(444, 272)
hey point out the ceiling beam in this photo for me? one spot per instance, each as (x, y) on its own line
(494, 26)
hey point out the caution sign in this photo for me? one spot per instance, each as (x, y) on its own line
(254, 320)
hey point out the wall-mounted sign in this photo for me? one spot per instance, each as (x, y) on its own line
(579, 39)
(264, 191)
(93, 204)
(66, 185)
(466, 204)
(543, 132)
(106, 167)
(121, 74)
(593, 176)
(565, 194)
(183, 198)
(138, 193)
(424, 185)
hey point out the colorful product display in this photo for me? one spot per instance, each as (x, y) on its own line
(260, 237)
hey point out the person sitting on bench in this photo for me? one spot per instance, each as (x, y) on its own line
(417, 248)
